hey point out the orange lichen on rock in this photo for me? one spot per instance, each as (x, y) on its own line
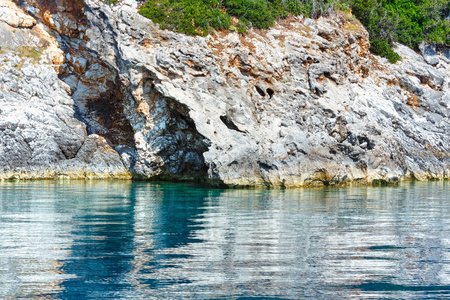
(64, 16)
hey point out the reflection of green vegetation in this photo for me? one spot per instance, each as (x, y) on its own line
(388, 21)
(30, 52)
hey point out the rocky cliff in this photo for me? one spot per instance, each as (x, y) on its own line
(92, 90)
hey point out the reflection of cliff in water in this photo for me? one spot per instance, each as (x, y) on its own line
(119, 234)
(164, 215)
(311, 241)
(140, 240)
(102, 248)
(33, 239)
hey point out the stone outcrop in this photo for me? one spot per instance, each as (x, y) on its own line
(301, 104)
(40, 136)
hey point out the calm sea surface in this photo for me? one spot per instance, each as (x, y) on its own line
(107, 239)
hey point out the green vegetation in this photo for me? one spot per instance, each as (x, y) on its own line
(30, 52)
(187, 16)
(110, 2)
(404, 21)
(388, 21)
(200, 16)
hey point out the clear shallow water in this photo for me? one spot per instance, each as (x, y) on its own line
(103, 239)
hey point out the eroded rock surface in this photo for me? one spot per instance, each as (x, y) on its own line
(40, 137)
(301, 104)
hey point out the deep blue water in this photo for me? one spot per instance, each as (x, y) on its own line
(106, 239)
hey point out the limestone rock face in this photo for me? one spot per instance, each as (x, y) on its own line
(11, 15)
(301, 104)
(40, 137)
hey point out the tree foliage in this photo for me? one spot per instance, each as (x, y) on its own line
(200, 16)
(406, 21)
(191, 17)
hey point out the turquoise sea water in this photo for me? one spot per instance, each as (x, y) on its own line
(105, 239)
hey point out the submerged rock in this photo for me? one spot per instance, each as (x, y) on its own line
(301, 104)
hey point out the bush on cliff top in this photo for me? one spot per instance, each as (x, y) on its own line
(190, 17)
(388, 21)
(200, 16)
(404, 21)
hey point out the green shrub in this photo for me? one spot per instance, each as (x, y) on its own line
(404, 21)
(387, 21)
(190, 17)
(382, 48)
(260, 13)
(200, 16)
(110, 2)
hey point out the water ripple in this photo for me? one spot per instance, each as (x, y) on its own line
(118, 240)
